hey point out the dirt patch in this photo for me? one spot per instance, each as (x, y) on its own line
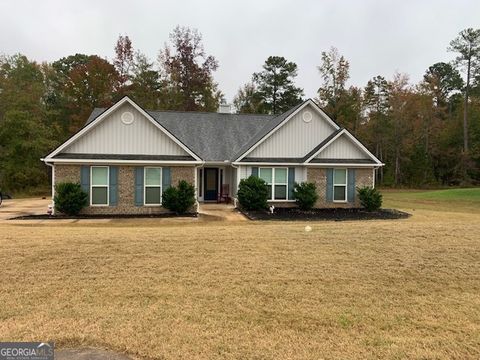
(88, 354)
(295, 214)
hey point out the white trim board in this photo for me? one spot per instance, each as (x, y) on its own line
(284, 121)
(322, 165)
(107, 112)
(106, 161)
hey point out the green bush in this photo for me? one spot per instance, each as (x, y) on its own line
(305, 195)
(179, 199)
(253, 193)
(69, 198)
(370, 198)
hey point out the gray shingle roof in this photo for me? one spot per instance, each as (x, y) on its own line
(214, 136)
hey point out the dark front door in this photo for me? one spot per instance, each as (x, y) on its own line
(211, 184)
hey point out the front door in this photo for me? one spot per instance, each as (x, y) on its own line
(211, 184)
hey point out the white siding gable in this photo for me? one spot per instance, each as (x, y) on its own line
(342, 148)
(296, 137)
(112, 136)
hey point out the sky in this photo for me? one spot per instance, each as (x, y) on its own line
(376, 37)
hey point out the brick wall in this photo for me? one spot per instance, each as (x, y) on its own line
(67, 173)
(363, 177)
(126, 188)
(182, 173)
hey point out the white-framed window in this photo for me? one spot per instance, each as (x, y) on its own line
(339, 185)
(99, 185)
(277, 182)
(152, 190)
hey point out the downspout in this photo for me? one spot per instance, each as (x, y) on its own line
(197, 204)
(236, 183)
(53, 184)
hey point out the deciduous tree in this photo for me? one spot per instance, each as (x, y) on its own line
(124, 63)
(247, 100)
(467, 45)
(188, 73)
(376, 101)
(334, 71)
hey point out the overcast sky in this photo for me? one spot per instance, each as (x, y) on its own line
(377, 37)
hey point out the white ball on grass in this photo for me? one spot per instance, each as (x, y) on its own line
(308, 228)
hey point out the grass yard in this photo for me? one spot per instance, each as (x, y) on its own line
(457, 200)
(165, 289)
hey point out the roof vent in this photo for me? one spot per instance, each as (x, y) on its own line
(225, 109)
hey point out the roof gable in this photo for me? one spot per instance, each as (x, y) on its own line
(113, 136)
(292, 134)
(341, 146)
(109, 133)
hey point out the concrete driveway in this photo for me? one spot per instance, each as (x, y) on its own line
(34, 206)
(17, 207)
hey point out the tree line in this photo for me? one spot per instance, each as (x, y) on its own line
(427, 133)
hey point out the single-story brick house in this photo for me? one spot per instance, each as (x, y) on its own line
(125, 157)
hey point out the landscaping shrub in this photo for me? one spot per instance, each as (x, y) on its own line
(179, 199)
(69, 198)
(370, 198)
(253, 193)
(305, 195)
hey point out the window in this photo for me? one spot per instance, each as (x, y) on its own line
(153, 186)
(340, 185)
(99, 185)
(277, 182)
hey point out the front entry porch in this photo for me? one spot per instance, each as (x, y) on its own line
(214, 183)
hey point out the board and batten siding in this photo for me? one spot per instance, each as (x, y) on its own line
(296, 137)
(112, 136)
(342, 148)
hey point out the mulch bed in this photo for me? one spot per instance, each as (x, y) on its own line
(295, 214)
(122, 216)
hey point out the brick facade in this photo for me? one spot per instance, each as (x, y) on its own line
(186, 173)
(126, 188)
(363, 177)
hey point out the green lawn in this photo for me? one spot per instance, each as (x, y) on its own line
(456, 200)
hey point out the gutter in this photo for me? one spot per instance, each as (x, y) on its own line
(106, 161)
(307, 164)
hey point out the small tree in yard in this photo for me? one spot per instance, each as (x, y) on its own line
(370, 198)
(69, 198)
(305, 195)
(253, 193)
(179, 199)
